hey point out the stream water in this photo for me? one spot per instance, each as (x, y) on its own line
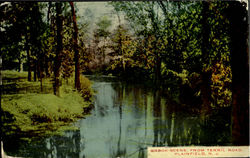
(126, 119)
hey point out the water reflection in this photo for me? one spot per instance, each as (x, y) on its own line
(125, 121)
(69, 145)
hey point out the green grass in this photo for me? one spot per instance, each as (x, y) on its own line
(9, 74)
(29, 111)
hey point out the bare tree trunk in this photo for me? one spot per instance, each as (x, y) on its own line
(58, 49)
(28, 57)
(46, 65)
(38, 66)
(35, 70)
(77, 67)
(40, 70)
(20, 64)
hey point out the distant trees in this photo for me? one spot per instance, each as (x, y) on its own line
(124, 49)
(101, 33)
(145, 21)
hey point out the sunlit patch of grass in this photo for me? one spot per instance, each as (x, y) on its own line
(29, 111)
(32, 112)
(86, 90)
(9, 74)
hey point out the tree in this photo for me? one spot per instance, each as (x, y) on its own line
(59, 48)
(145, 22)
(12, 40)
(75, 34)
(124, 49)
(120, 30)
(237, 16)
(27, 17)
(37, 30)
(102, 31)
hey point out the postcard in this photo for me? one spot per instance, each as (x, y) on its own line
(116, 79)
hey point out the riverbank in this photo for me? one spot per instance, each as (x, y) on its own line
(31, 109)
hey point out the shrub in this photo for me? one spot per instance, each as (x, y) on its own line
(86, 90)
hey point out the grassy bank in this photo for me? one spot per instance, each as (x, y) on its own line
(26, 109)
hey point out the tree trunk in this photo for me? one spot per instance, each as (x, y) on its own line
(58, 48)
(46, 60)
(20, 64)
(46, 66)
(157, 70)
(28, 56)
(35, 70)
(75, 34)
(40, 69)
(237, 15)
(41, 80)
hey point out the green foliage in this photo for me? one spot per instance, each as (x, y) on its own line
(221, 85)
(173, 32)
(103, 25)
(124, 47)
(86, 90)
(67, 64)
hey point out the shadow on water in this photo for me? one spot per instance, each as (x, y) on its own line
(125, 121)
(68, 145)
